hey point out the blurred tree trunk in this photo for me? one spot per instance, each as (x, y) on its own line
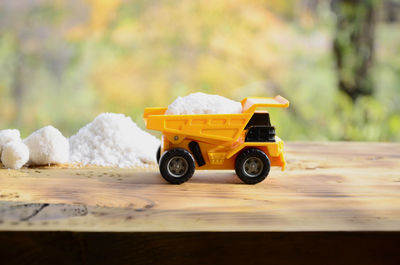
(392, 10)
(353, 46)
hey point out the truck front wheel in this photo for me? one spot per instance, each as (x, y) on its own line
(177, 166)
(252, 166)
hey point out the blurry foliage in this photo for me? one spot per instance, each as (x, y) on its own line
(73, 59)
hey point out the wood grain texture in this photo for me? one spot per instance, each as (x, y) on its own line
(337, 186)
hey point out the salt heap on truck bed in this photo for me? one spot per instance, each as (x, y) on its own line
(219, 141)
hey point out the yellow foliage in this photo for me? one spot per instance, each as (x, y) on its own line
(125, 33)
(121, 86)
(101, 14)
(181, 47)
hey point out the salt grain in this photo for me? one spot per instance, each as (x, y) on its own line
(47, 146)
(15, 154)
(113, 140)
(201, 103)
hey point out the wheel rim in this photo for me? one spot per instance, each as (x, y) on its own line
(177, 166)
(253, 166)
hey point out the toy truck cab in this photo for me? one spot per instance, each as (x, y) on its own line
(245, 141)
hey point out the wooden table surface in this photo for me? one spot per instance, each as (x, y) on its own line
(334, 186)
(337, 203)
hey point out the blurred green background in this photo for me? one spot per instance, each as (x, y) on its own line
(62, 62)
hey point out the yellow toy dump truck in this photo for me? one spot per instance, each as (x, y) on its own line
(245, 141)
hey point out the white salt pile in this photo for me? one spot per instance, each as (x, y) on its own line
(15, 154)
(201, 103)
(113, 140)
(7, 136)
(47, 146)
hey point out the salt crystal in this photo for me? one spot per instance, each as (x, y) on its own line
(15, 154)
(47, 146)
(201, 103)
(113, 140)
(7, 136)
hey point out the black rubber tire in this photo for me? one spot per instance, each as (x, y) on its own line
(158, 154)
(176, 153)
(243, 157)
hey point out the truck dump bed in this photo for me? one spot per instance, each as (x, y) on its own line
(220, 127)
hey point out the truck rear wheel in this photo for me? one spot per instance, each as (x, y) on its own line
(177, 166)
(252, 166)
